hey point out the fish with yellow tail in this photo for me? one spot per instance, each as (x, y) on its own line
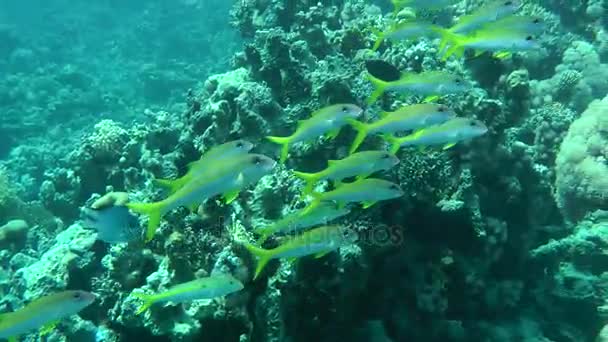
(301, 219)
(488, 40)
(226, 178)
(317, 242)
(367, 191)
(447, 134)
(206, 289)
(488, 13)
(406, 118)
(207, 162)
(532, 25)
(43, 313)
(328, 120)
(361, 164)
(427, 83)
(405, 31)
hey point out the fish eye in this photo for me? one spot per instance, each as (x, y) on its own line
(442, 108)
(536, 21)
(529, 38)
(386, 156)
(344, 109)
(508, 3)
(458, 80)
(239, 144)
(257, 160)
(473, 123)
(76, 295)
(394, 187)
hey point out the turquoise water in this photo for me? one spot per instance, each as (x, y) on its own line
(264, 170)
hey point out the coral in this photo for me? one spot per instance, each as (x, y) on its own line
(581, 172)
(13, 234)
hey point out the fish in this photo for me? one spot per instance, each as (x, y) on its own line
(43, 313)
(207, 288)
(428, 83)
(405, 30)
(298, 220)
(361, 164)
(113, 224)
(531, 25)
(447, 134)
(214, 155)
(493, 40)
(406, 118)
(326, 120)
(422, 4)
(489, 13)
(382, 70)
(367, 191)
(226, 178)
(318, 242)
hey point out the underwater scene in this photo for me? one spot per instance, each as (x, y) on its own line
(298, 170)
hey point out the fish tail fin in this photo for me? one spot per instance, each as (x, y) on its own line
(263, 257)
(361, 129)
(379, 40)
(169, 184)
(316, 201)
(309, 178)
(284, 142)
(379, 88)
(449, 38)
(393, 142)
(148, 301)
(154, 213)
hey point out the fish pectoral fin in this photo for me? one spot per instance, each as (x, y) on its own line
(321, 254)
(448, 146)
(47, 328)
(231, 196)
(363, 176)
(431, 98)
(333, 133)
(502, 55)
(292, 261)
(193, 208)
(341, 205)
(13, 339)
(478, 53)
(368, 204)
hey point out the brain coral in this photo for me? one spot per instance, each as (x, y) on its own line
(581, 184)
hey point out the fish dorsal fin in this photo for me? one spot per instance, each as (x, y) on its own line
(406, 75)
(332, 162)
(384, 114)
(300, 123)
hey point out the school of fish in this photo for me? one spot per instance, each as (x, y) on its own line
(228, 169)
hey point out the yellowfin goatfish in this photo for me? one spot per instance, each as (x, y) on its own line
(360, 164)
(493, 40)
(327, 120)
(367, 191)
(44, 313)
(206, 162)
(447, 134)
(486, 14)
(422, 4)
(404, 31)
(199, 289)
(318, 242)
(426, 83)
(298, 220)
(521, 23)
(114, 224)
(227, 178)
(406, 118)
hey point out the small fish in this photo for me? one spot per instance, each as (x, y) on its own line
(227, 178)
(327, 120)
(113, 224)
(214, 155)
(531, 25)
(406, 118)
(318, 242)
(486, 14)
(405, 31)
(298, 220)
(426, 83)
(360, 164)
(492, 40)
(43, 313)
(199, 289)
(382, 70)
(447, 134)
(367, 191)
(422, 4)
